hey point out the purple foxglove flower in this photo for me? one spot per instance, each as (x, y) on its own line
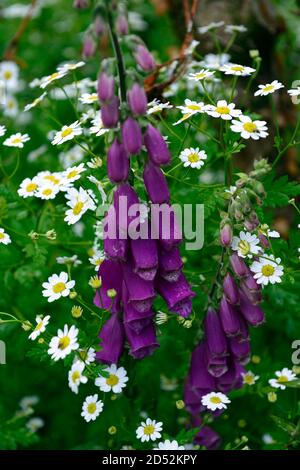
(240, 350)
(208, 438)
(230, 289)
(244, 329)
(110, 112)
(144, 59)
(238, 265)
(251, 289)
(229, 317)
(253, 314)
(198, 373)
(140, 292)
(122, 25)
(116, 249)
(249, 225)
(137, 100)
(216, 366)
(89, 47)
(232, 379)
(117, 163)
(156, 184)
(125, 199)
(112, 335)
(145, 257)
(135, 320)
(215, 338)
(142, 344)
(165, 226)
(156, 146)
(226, 235)
(170, 264)
(110, 273)
(105, 87)
(177, 294)
(81, 4)
(132, 136)
(192, 398)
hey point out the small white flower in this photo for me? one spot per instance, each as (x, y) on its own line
(249, 129)
(28, 402)
(149, 430)
(189, 109)
(47, 191)
(56, 179)
(34, 424)
(28, 187)
(9, 74)
(16, 140)
(64, 343)
(215, 61)
(4, 237)
(70, 67)
(201, 75)
(246, 244)
(157, 106)
(249, 378)
(76, 377)
(35, 102)
(169, 445)
(161, 318)
(265, 230)
(116, 380)
(236, 69)
(79, 202)
(193, 157)
(264, 90)
(74, 173)
(215, 401)
(72, 260)
(268, 439)
(87, 356)
(10, 106)
(223, 110)
(89, 98)
(235, 28)
(57, 286)
(2, 130)
(98, 127)
(67, 133)
(97, 259)
(283, 376)
(294, 91)
(45, 81)
(91, 408)
(41, 324)
(231, 190)
(267, 270)
(210, 27)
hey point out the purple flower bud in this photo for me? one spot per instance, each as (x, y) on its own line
(144, 59)
(249, 225)
(125, 198)
(89, 47)
(240, 350)
(110, 273)
(238, 265)
(177, 294)
(226, 235)
(137, 99)
(122, 25)
(156, 146)
(99, 26)
(140, 292)
(215, 338)
(135, 320)
(170, 264)
(198, 373)
(263, 240)
(229, 318)
(230, 289)
(112, 335)
(81, 4)
(132, 136)
(105, 87)
(145, 257)
(156, 184)
(253, 314)
(117, 163)
(232, 379)
(110, 113)
(251, 289)
(142, 344)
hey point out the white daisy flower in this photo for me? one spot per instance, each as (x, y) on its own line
(215, 61)
(2, 130)
(246, 245)
(70, 66)
(72, 260)
(97, 259)
(16, 140)
(9, 74)
(28, 187)
(249, 129)
(99, 185)
(267, 270)
(201, 75)
(79, 202)
(57, 286)
(47, 191)
(64, 343)
(87, 356)
(45, 81)
(235, 28)
(57, 179)
(74, 173)
(67, 133)
(210, 27)
(41, 323)
(76, 377)
(264, 90)
(282, 376)
(249, 378)
(236, 69)
(35, 102)
(98, 127)
(294, 91)
(89, 98)
(169, 445)
(189, 109)
(215, 401)
(91, 408)
(10, 106)
(116, 380)
(34, 424)
(265, 230)
(149, 430)
(157, 106)
(4, 237)
(28, 402)
(193, 157)
(223, 110)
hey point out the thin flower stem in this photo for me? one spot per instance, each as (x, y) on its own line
(16, 167)
(164, 122)
(207, 93)
(290, 144)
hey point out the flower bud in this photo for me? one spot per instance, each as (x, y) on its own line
(156, 146)
(89, 47)
(122, 25)
(132, 136)
(105, 87)
(226, 235)
(137, 100)
(156, 184)
(117, 163)
(144, 59)
(110, 113)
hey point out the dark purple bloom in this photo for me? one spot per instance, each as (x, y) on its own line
(156, 146)
(192, 398)
(145, 257)
(105, 87)
(117, 163)
(216, 366)
(125, 199)
(144, 59)
(110, 273)
(170, 264)
(140, 292)
(208, 438)
(198, 373)
(135, 320)
(253, 314)
(229, 317)
(137, 100)
(238, 265)
(110, 112)
(115, 248)
(165, 225)
(132, 136)
(122, 25)
(251, 289)
(177, 294)
(215, 338)
(240, 350)
(232, 379)
(112, 335)
(244, 329)
(156, 184)
(142, 344)
(226, 235)
(230, 289)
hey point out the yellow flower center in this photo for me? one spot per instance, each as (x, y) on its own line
(193, 157)
(78, 208)
(112, 380)
(282, 379)
(244, 247)
(248, 379)
(250, 127)
(222, 110)
(72, 174)
(91, 408)
(1, 236)
(7, 75)
(47, 191)
(268, 88)
(66, 132)
(52, 178)
(200, 75)
(237, 68)
(215, 400)
(83, 354)
(148, 430)
(193, 107)
(31, 187)
(59, 287)
(38, 326)
(54, 75)
(75, 376)
(64, 342)
(268, 270)
(16, 140)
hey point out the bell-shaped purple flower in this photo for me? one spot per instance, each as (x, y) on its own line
(156, 184)
(240, 350)
(192, 398)
(170, 264)
(137, 99)
(230, 289)
(232, 379)
(132, 136)
(208, 438)
(177, 294)
(112, 337)
(251, 289)
(117, 163)
(140, 292)
(105, 87)
(165, 226)
(145, 257)
(111, 276)
(253, 314)
(238, 265)
(125, 200)
(215, 338)
(135, 320)
(244, 329)
(198, 373)
(226, 235)
(142, 344)
(217, 365)
(229, 317)
(144, 58)
(156, 146)
(115, 248)
(110, 112)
